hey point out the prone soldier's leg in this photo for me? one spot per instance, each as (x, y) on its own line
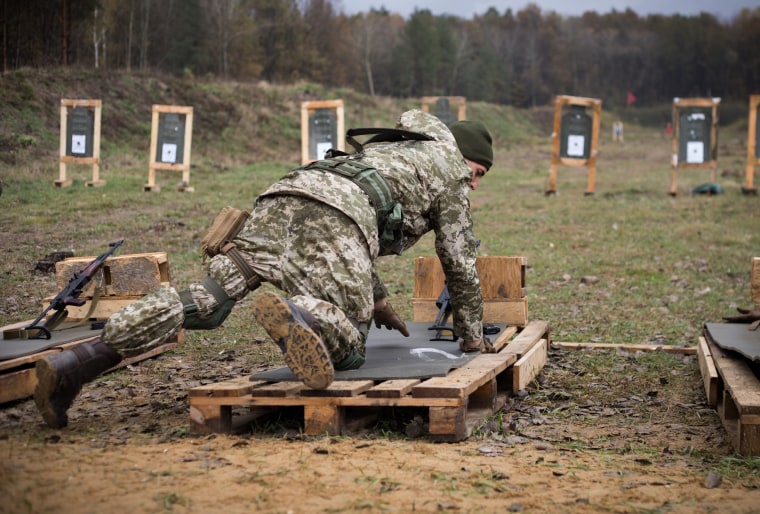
(137, 328)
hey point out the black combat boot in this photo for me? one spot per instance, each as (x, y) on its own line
(61, 376)
(296, 332)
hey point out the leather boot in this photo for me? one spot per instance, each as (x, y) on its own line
(61, 376)
(296, 332)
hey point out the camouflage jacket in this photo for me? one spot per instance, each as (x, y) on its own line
(431, 181)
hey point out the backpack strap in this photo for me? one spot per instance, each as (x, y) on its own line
(388, 211)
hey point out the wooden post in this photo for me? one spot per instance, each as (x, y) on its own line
(587, 160)
(711, 162)
(187, 138)
(752, 149)
(66, 156)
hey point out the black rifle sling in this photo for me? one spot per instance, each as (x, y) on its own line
(383, 135)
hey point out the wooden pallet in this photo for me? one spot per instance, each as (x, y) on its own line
(734, 391)
(18, 378)
(455, 403)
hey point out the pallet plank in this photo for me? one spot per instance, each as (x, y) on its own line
(738, 378)
(235, 387)
(279, 389)
(531, 335)
(392, 388)
(738, 398)
(709, 373)
(529, 366)
(460, 383)
(340, 388)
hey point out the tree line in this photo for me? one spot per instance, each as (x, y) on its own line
(520, 58)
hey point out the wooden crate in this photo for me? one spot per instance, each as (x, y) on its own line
(122, 280)
(18, 378)
(456, 403)
(502, 281)
(122, 275)
(734, 390)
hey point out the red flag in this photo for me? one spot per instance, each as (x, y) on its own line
(630, 99)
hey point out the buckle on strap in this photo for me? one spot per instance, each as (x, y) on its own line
(252, 280)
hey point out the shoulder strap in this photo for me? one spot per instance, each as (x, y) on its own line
(383, 135)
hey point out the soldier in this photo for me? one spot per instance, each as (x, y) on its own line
(315, 235)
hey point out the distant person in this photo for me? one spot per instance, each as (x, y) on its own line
(315, 234)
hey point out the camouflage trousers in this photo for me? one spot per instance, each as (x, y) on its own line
(312, 252)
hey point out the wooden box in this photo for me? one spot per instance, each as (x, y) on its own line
(502, 280)
(122, 280)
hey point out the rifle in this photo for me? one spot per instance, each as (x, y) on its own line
(69, 295)
(444, 311)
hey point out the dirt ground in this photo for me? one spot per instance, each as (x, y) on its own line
(600, 431)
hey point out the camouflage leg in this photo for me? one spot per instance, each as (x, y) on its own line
(145, 324)
(341, 335)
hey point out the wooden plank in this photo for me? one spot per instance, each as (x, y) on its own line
(511, 312)
(529, 366)
(17, 385)
(709, 373)
(392, 388)
(684, 350)
(236, 387)
(738, 378)
(460, 383)
(493, 362)
(18, 378)
(500, 277)
(341, 388)
(530, 335)
(281, 389)
(503, 338)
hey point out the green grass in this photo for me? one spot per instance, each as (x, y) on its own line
(663, 265)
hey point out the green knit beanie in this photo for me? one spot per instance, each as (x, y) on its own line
(474, 141)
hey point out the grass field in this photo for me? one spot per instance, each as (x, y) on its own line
(628, 264)
(600, 431)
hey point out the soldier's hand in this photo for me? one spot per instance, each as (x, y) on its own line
(482, 345)
(745, 316)
(386, 317)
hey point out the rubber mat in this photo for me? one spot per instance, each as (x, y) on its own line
(11, 347)
(736, 337)
(390, 356)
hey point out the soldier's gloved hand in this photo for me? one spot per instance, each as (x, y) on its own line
(746, 316)
(482, 345)
(386, 317)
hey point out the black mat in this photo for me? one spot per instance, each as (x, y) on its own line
(393, 356)
(736, 337)
(11, 347)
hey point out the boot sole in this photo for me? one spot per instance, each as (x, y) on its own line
(44, 391)
(304, 351)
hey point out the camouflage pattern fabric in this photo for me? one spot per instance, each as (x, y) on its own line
(313, 234)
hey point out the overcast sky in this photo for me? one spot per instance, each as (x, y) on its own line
(725, 10)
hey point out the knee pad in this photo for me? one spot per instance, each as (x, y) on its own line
(353, 360)
(193, 321)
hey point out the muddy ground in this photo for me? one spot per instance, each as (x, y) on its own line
(599, 431)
